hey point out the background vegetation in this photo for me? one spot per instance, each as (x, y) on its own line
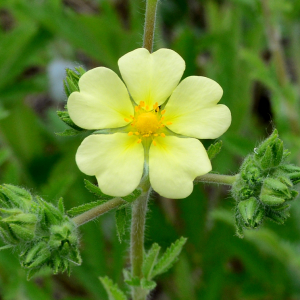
(250, 47)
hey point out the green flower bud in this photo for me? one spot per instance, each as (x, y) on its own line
(271, 200)
(266, 159)
(250, 212)
(272, 185)
(16, 196)
(260, 151)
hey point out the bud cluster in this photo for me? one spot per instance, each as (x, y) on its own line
(265, 185)
(42, 233)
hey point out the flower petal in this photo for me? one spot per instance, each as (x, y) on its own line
(174, 163)
(103, 101)
(151, 77)
(193, 111)
(117, 160)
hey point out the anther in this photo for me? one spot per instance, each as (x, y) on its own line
(155, 134)
(132, 117)
(154, 143)
(137, 133)
(130, 133)
(139, 141)
(136, 108)
(162, 135)
(163, 111)
(147, 107)
(142, 104)
(155, 105)
(169, 123)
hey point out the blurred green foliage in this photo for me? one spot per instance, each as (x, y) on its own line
(250, 47)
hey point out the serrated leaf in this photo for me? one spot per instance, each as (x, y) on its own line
(84, 207)
(147, 284)
(113, 291)
(95, 190)
(133, 196)
(121, 221)
(169, 257)
(214, 149)
(68, 132)
(150, 260)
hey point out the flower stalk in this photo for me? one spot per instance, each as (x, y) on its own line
(97, 211)
(217, 178)
(150, 24)
(139, 210)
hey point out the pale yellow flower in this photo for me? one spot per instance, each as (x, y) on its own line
(159, 121)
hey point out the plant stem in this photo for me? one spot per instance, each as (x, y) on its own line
(139, 210)
(150, 24)
(97, 211)
(216, 178)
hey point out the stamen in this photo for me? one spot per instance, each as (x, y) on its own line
(147, 107)
(137, 133)
(155, 134)
(136, 108)
(163, 111)
(130, 133)
(154, 143)
(126, 120)
(132, 117)
(157, 109)
(142, 104)
(169, 123)
(139, 141)
(162, 135)
(155, 105)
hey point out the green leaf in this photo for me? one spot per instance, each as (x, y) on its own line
(214, 149)
(95, 190)
(84, 207)
(169, 257)
(147, 284)
(68, 132)
(60, 205)
(134, 195)
(121, 221)
(150, 260)
(113, 291)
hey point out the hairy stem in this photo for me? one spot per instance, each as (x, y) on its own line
(216, 178)
(97, 211)
(150, 24)
(139, 210)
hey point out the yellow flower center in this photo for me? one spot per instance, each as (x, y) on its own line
(147, 124)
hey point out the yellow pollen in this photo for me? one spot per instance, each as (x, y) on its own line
(155, 134)
(136, 108)
(147, 107)
(162, 135)
(163, 111)
(130, 133)
(126, 120)
(154, 143)
(132, 117)
(142, 104)
(136, 133)
(147, 123)
(155, 105)
(169, 123)
(157, 109)
(139, 141)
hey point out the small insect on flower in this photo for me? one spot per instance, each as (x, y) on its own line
(158, 123)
